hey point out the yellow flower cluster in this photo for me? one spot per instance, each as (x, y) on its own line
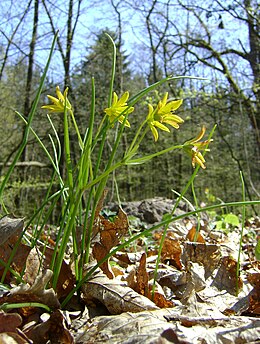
(158, 118)
(193, 147)
(164, 114)
(119, 106)
(59, 103)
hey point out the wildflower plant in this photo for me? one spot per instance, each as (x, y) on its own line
(90, 178)
(85, 181)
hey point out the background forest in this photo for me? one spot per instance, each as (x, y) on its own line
(216, 40)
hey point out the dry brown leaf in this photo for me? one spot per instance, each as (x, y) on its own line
(35, 293)
(143, 287)
(225, 278)
(123, 258)
(9, 321)
(18, 261)
(9, 329)
(58, 332)
(110, 234)
(254, 302)
(167, 326)
(33, 266)
(161, 301)
(206, 254)
(52, 331)
(254, 279)
(142, 278)
(116, 297)
(66, 280)
(10, 229)
(12, 338)
(171, 251)
(192, 235)
(143, 327)
(37, 262)
(254, 296)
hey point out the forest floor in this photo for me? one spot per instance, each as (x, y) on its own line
(198, 297)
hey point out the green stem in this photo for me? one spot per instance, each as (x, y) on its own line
(103, 175)
(67, 152)
(196, 206)
(151, 156)
(6, 306)
(242, 232)
(113, 71)
(135, 138)
(81, 144)
(65, 238)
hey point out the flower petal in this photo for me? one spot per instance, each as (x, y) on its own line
(161, 126)
(172, 123)
(121, 120)
(154, 132)
(122, 101)
(199, 136)
(175, 104)
(150, 112)
(164, 100)
(54, 100)
(59, 94)
(174, 118)
(115, 98)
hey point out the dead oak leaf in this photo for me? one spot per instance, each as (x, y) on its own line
(66, 279)
(33, 293)
(254, 296)
(39, 260)
(110, 234)
(143, 287)
(9, 321)
(208, 255)
(12, 338)
(116, 297)
(171, 251)
(53, 330)
(226, 278)
(18, 260)
(10, 228)
(195, 236)
(142, 278)
(161, 301)
(10, 232)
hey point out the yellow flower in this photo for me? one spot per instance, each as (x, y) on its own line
(117, 107)
(58, 103)
(163, 113)
(193, 146)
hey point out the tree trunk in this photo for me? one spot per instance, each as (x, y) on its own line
(28, 87)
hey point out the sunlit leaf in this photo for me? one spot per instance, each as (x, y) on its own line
(232, 219)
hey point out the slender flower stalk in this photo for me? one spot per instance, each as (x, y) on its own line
(118, 109)
(163, 114)
(192, 148)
